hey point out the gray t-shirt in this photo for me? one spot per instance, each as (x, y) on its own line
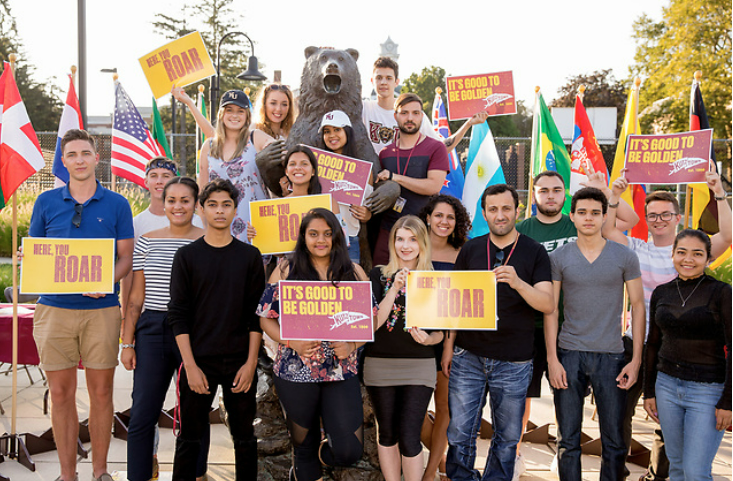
(593, 295)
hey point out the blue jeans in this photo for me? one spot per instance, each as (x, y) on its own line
(471, 378)
(157, 359)
(600, 370)
(687, 416)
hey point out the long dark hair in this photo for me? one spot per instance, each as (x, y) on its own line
(340, 267)
(463, 221)
(315, 186)
(349, 148)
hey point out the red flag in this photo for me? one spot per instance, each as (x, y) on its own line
(704, 206)
(20, 152)
(585, 148)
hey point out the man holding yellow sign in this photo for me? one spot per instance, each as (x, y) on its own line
(69, 327)
(497, 362)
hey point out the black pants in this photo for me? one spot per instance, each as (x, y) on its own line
(400, 411)
(658, 462)
(194, 408)
(336, 403)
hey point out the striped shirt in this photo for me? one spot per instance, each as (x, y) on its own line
(656, 269)
(154, 256)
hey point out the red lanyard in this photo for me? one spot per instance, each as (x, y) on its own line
(408, 157)
(488, 251)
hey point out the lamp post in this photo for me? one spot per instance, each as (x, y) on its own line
(252, 72)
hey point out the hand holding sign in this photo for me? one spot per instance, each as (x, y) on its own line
(343, 350)
(508, 275)
(400, 279)
(305, 348)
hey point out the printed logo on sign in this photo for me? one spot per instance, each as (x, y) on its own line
(344, 185)
(495, 99)
(686, 163)
(347, 318)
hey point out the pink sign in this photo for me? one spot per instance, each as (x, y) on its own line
(490, 92)
(342, 177)
(668, 159)
(320, 311)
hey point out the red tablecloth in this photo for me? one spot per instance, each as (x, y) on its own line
(27, 352)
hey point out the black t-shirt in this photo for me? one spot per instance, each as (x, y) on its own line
(514, 338)
(391, 340)
(214, 297)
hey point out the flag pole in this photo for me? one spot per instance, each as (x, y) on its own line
(530, 184)
(114, 177)
(697, 76)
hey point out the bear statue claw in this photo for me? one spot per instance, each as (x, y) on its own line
(270, 164)
(384, 196)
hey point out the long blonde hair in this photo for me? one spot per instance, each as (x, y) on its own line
(263, 123)
(417, 227)
(217, 143)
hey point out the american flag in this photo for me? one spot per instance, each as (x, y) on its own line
(454, 181)
(132, 144)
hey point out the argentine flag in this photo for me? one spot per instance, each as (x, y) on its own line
(483, 169)
(70, 119)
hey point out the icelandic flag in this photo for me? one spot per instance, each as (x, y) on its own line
(483, 169)
(70, 119)
(454, 180)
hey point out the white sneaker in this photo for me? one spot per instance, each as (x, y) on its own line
(553, 464)
(519, 467)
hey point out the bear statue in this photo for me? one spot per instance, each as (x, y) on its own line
(330, 81)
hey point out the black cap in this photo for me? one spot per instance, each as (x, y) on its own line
(236, 97)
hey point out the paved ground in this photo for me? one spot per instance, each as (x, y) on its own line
(30, 418)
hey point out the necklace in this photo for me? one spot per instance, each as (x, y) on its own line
(685, 299)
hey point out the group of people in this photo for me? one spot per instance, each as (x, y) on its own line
(200, 299)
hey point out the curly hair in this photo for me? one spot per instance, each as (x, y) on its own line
(459, 236)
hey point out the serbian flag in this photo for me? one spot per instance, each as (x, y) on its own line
(704, 212)
(454, 180)
(635, 195)
(132, 144)
(70, 119)
(585, 154)
(20, 152)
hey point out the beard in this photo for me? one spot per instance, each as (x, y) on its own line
(551, 211)
(409, 129)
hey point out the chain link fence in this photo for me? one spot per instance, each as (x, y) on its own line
(514, 154)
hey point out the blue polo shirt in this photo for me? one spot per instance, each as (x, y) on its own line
(106, 215)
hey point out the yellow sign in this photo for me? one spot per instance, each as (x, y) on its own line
(67, 266)
(277, 221)
(177, 64)
(463, 300)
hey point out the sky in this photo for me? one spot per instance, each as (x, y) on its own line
(543, 43)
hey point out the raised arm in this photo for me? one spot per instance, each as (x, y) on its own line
(203, 123)
(477, 118)
(610, 229)
(625, 216)
(723, 238)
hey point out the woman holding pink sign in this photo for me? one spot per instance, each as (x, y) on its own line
(317, 380)
(399, 366)
(336, 133)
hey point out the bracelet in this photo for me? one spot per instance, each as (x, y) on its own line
(391, 174)
(722, 197)
(613, 206)
(128, 346)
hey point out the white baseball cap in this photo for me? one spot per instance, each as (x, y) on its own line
(335, 118)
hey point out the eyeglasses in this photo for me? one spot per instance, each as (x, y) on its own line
(284, 88)
(76, 220)
(498, 260)
(664, 216)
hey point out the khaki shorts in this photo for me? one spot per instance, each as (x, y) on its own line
(63, 336)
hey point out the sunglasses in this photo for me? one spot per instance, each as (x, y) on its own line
(76, 220)
(284, 88)
(499, 260)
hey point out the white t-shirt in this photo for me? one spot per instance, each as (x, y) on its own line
(381, 125)
(146, 222)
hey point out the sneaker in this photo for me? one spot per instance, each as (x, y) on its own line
(553, 464)
(103, 477)
(76, 478)
(519, 466)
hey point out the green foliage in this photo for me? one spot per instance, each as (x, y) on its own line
(432, 77)
(41, 99)
(692, 35)
(602, 90)
(722, 272)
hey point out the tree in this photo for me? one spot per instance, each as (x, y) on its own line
(691, 36)
(425, 84)
(41, 99)
(602, 90)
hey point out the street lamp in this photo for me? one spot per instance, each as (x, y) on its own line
(252, 72)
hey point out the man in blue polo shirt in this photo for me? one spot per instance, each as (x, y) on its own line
(70, 327)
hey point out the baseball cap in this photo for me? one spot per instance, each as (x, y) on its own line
(236, 97)
(335, 118)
